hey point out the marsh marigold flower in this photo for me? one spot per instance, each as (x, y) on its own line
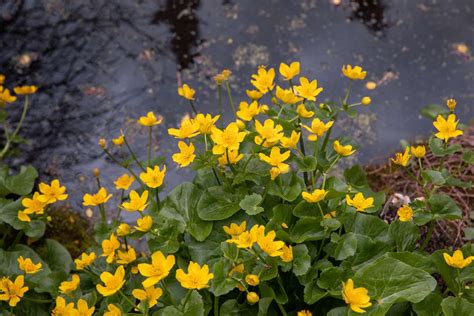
(83, 309)
(343, 150)
(149, 120)
(109, 246)
(100, 197)
(206, 122)
(276, 160)
(359, 202)
(113, 310)
(405, 213)
(33, 205)
(25, 90)
(137, 202)
(447, 128)
(457, 260)
(370, 85)
(123, 230)
(253, 94)
(290, 71)
(6, 97)
(149, 294)
(187, 129)
(28, 266)
(286, 96)
(197, 278)
(268, 244)
(354, 73)
(85, 260)
(231, 157)
(159, 268)
(247, 111)
(304, 312)
(303, 112)
(186, 92)
(366, 100)
(52, 193)
(144, 224)
(186, 155)
(357, 298)
(252, 279)
(314, 197)
(263, 79)
(317, 129)
(234, 229)
(63, 309)
(112, 282)
(308, 90)
(124, 182)
(451, 104)
(269, 133)
(286, 253)
(402, 159)
(418, 151)
(118, 141)
(153, 178)
(23, 216)
(252, 297)
(12, 292)
(69, 286)
(292, 141)
(227, 140)
(102, 143)
(126, 257)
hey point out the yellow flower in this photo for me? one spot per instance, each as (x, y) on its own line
(308, 90)
(25, 90)
(252, 297)
(124, 182)
(254, 94)
(284, 225)
(318, 128)
(126, 257)
(287, 253)
(83, 309)
(158, 269)
(52, 193)
(268, 133)
(102, 143)
(237, 269)
(206, 122)
(219, 79)
(290, 71)
(247, 112)
(113, 310)
(418, 151)
(119, 140)
(149, 294)
(366, 101)
(13, 291)
(149, 120)
(231, 157)
(108, 248)
(100, 197)
(252, 279)
(2, 79)
(235, 230)
(23, 216)
(359, 202)
(144, 224)
(263, 79)
(304, 312)
(6, 97)
(112, 282)
(123, 230)
(264, 108)
(197, 278)
(85, 260)
(268, 244)
(447, 128)
(315, 197)
(370, 85)
(137, 202)
(187, 129)
(292, 141)
(354, 73)
(228, 139)
(451, 104)
(457, 259)
(186, 154)
(33, 205)
(286, 96)
(357, 298)
(63, 309)
(240, 124)
(28, 266)
(303, 112)
(330, 215)
(405, 213)
(343, 150)
(402, 159)
(153, 178)
(186, 92)
(276, 160)
(69, 286)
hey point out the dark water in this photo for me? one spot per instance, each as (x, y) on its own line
(100, 63)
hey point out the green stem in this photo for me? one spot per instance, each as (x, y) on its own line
(128, 300)
(17, 239)
(216, 305)
(219, 101)
(133, 155)
(188, 296)
(428, 235)
(17, 130)
(36, 300)
(150, 138)
(125, 167)
(227, 86)
(157, 198)
(305, 174)
(282, 310)
(348, 92)
(193, 107)
(102, 213)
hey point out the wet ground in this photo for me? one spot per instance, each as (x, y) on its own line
(100, 63)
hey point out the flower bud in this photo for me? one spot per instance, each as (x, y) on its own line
(252, 297)
(366, 100)
(451, 104)
(96, 172)
(252, 279)
(102, 143)
(370, 85)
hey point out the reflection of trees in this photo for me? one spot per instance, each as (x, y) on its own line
(371, 13)
(183, 22)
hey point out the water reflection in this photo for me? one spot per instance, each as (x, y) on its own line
(371, 13)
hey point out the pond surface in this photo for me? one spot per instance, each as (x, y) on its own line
(101, 64)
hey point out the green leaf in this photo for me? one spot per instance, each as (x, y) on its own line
(221, 284)
(287, 186)
(330, 278)
(312, 293)
(391, 281)
(229, 308)
(57, 256)
(23, 182)
(430, 306)
(217, 204)
(457, 306)
(307, 229)
(415, 259)
(433, 110)
(250, 204)
(301, 261)
(346, 247)
(9, 214)
(443, 207)
(439, 149)
(306, 164)
(182, 205)
(404, 234)
(370, 226)
(305, 209)
(356, 176)
(433, 176)
(468, 157)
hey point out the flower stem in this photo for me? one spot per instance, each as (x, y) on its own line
(186, 299)
(17, 130)
(231, 101)
(219, 100)
(150, 138)
(128, 300)
(428, 235)
(193, 107)
(133, 154)
(216, 305)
